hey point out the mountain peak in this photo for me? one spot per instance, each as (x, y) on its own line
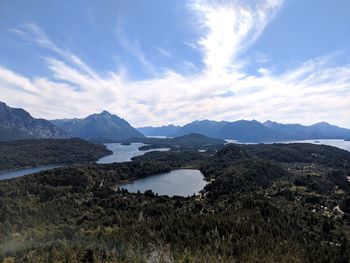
(322, 123)
(105, 113)
(269, 122)
(102, 115)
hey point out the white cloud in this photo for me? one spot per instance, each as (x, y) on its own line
(310, 92)
(231, 28)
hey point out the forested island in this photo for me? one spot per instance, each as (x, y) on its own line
(35, 152)
(262, 203)
(189, 141)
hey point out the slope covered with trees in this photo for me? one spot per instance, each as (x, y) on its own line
(31, 153)
(256, 208)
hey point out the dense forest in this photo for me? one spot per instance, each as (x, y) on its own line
(30, 153)
(263, 203)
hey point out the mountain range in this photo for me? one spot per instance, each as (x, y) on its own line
(321, 130)
(102, 127)
(253, 131)
(16, 123)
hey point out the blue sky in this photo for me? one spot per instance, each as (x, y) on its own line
(157, 62)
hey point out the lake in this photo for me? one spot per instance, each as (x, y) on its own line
(345, 145)
(182, 182)
(124, 153)
(25, 171)
(121, 153)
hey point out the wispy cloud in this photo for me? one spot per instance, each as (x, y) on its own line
(231, 28)
(18, 32)
(132, 47)
(164, 52)
(35, 35)
(314, 90)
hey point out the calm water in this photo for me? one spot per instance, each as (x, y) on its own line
(183, 182)
(345, 145)
(25, 171)
(124, 153)
(121, 153)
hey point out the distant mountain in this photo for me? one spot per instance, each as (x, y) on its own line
(321, 130)
(249, 131)
(245, 131)
(167, 130)
(16, 123)
(205, 127)
(147, 130)
(102, 127)
(254, 131)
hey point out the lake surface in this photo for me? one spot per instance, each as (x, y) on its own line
(182, 182)
(121, 153)
(124, 153)
(25, 171)
(345, 145)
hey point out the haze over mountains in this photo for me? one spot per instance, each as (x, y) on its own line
(106, 127)
(166, 130)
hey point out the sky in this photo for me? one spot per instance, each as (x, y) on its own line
(155, 62)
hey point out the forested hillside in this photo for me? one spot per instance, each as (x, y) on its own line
(31, 153)
(258, 207)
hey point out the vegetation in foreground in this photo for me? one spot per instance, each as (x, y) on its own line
(31, 153)
(264, 203)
